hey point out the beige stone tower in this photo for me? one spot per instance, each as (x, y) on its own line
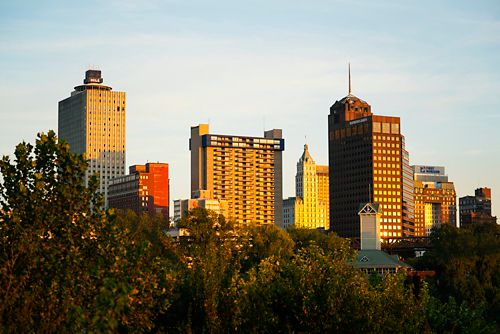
(92, 121)
(310, 207)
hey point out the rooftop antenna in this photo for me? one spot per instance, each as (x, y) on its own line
(349, 78)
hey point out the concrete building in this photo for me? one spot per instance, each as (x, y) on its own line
(246, 172)
(92, 122)
(476, 209)
(435, 199)
(366, 164)
(145, 190)
(309, 209)
(206, 201)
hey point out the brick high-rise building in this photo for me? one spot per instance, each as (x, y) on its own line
(477, 208)
(309, 209)
(92, 122)
(145, 190)
(366, 161)
(435, 199)
(246, 172)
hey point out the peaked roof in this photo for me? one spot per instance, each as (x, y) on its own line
(306, 156)
(369, 208)
(373, 258)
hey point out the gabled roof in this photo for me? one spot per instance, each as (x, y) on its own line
(369, 208)
(373, 258)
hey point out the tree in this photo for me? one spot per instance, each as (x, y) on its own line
(467, 266)
(64, 263)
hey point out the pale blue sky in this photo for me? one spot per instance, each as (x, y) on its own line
(279, 64)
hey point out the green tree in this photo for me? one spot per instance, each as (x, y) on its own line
(64, 263)
(467, 266)
(208, 279)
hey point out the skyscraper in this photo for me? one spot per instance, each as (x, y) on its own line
(145, 190)
(476, 209)
(366, 163)
(92, 121)
(246, 172)
(435, 199)
(309, 209)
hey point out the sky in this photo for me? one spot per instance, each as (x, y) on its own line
(246, 66)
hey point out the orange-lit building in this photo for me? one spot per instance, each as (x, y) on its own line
(367, 163)
(145, 190)
(245, 172)
(435, 199)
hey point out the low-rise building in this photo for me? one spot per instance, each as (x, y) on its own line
(476, 209)
(201, 199)
(145, 190)
(370, 257)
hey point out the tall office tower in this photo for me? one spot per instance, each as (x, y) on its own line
(435, 199)
(309, 209)
(145, 190)
(92, 121)
(476, 209)
(244, 171)
(366, 166)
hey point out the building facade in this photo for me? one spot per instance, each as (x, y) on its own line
(476, 209)
(310, 207)
(183, 206)
(246, 172)
(435, 199)
(92, 122)
(145, 190)
(366, 164)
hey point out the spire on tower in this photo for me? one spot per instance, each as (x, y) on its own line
(349, 78)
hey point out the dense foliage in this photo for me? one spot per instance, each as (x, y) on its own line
(68, 265)
(466, 288)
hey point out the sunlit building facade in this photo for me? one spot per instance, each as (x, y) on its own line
(92, 121)
(435, 199)
(309, 209)
(246, 172)
(145, 190)
(366, 164)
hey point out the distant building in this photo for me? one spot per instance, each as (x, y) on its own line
(145, 190)
(476, 209)
(309, 209)
(92, 122)
(246, 172)
(202, 199)
(435, 199)
(366, 164)
(370, 257)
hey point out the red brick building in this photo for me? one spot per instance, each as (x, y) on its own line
(145, 190)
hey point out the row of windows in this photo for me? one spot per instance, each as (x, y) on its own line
(385, 152)
(384, 165)
(386, 172)
(387, 179)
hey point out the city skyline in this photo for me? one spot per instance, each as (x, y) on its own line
(283, 64)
